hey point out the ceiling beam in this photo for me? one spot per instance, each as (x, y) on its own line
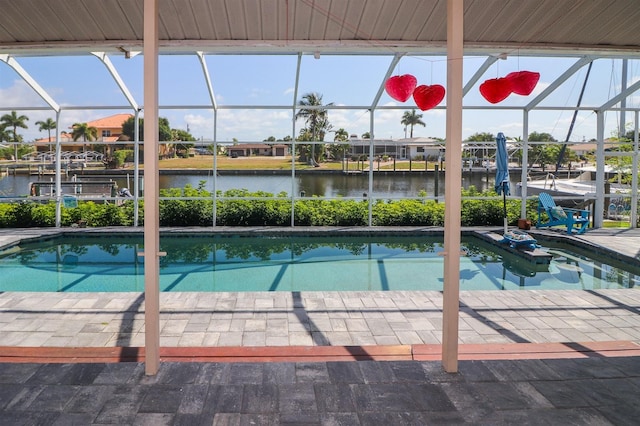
(620, 96)
(479, 73)
(116, 77)
(11, 61)
(324, 47)
(558, 81)
(207, 79)
(392, 66)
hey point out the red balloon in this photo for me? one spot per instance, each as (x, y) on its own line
(400, 87)
(428, 97)
(496, 89)
(523, 82)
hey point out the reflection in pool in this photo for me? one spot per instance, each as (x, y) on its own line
(213, 262)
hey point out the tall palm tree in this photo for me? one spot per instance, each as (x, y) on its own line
(316, 118)
(14, 121)
(49, 125)
(84, 131)
(411, 118)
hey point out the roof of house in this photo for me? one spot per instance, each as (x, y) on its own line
(255, 146)
(591, 146)
(113, 121)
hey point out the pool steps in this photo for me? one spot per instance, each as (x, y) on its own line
(534, 255)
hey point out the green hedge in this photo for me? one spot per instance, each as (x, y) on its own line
(272, 210)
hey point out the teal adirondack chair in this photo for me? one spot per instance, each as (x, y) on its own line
(573, 219)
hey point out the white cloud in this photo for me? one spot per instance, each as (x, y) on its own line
(19, 94)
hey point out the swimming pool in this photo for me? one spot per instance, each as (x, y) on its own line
(230, 263)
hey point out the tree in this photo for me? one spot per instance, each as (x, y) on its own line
(47, 125)
(14, 121)
(316, 119)
(182, 135)
(341, 135)
(338, 149)
(411, 118)
(481, 137)
(5, 135)
(164, 131)
(84, 131)
(542, 154)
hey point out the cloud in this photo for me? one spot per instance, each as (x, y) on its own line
(244, 125)
(20, 94)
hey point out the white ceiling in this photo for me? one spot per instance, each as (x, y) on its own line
(349, 26)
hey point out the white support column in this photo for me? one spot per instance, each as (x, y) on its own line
(151, 190)
(136, 167)
(453, 197)
(372, 151)
(293, 141)
(215, 167)
(599, 206)
(58, 177)
(525, 164)
(634, 172)
(214, 105)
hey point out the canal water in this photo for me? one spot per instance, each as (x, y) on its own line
(408, 184)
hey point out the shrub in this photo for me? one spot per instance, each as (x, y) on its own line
(265, 209)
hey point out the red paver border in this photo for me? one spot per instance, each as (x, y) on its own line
(511, 351)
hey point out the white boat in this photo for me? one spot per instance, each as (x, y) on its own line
(584, 185)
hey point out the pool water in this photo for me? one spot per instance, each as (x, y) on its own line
(223, 263)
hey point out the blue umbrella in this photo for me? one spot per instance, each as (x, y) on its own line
(502, 173)
(502, 166)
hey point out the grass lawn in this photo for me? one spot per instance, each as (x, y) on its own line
(246, 163)
(615, 223)
(277, 163)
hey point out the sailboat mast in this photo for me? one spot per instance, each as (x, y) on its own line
(573, 120)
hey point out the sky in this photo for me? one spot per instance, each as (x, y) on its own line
(269, 80)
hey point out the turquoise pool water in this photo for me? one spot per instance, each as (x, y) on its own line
(206, 262)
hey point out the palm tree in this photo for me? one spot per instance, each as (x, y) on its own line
(14, 120)
(5, 135)
(84, 131)
(410, 118)
(48, 125)
(341, 136)
(316, 118)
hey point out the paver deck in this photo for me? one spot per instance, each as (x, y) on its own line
(529, 357)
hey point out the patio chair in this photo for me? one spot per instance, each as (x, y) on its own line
(573, 219)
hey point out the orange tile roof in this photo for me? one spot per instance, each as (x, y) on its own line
(110, 122)
(64, 137)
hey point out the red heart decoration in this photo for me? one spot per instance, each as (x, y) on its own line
(523, 82)
(496, 89)
(428, 97)
(400, 87)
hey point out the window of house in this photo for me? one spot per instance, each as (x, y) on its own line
(106, 133)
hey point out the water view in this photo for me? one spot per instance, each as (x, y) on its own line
(325, 185)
